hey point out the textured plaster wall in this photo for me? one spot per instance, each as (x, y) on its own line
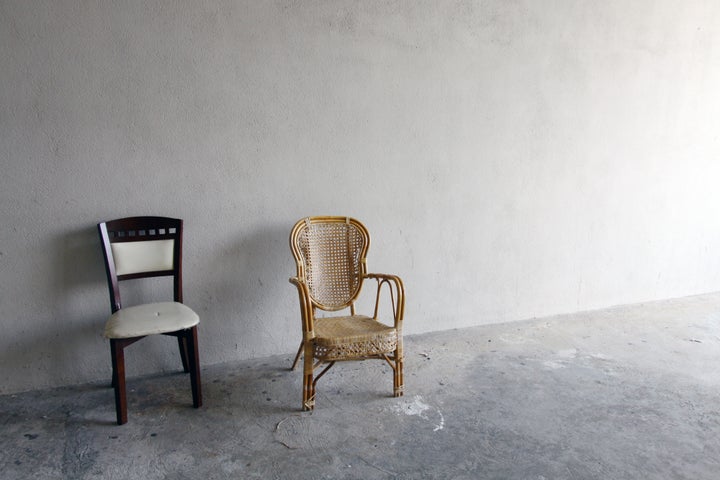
(511, 158)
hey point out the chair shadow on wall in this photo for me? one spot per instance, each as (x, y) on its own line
(80, 305)
(81, 300)
(55, 349)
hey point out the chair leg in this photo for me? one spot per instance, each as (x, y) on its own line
(194, 365)
(182, 345)
(118, 363)
(113, 380)
(308, 384)
(297, 357)
(398, 380)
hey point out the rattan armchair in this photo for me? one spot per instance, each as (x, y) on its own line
(330, 254)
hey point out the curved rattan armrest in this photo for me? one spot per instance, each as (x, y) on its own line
(397, 294)
(306, 306)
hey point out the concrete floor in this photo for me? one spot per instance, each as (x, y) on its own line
(625, 393)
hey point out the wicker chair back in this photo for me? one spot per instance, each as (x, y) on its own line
(330, 253)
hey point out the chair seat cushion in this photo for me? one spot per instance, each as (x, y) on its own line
(150, 319)
(355, 336)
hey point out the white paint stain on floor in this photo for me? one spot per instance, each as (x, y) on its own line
(569, 353)
(560, 357)
(515, 339)
(417, 407)
(553, 365)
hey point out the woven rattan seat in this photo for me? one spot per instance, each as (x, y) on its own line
(330, 255)
(348, 338)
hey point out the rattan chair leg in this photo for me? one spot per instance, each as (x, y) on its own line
(308, 393)
(308, 383)
(398, 383)
(398, 380)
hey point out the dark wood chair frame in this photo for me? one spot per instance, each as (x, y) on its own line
(133, 229)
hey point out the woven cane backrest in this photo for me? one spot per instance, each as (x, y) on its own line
(330, 255)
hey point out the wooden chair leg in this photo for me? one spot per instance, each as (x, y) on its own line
(182, 345)
(118, 362)
(194, 361)
(113, 380)
(308, 402)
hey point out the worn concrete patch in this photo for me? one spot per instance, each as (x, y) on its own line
(301, 432)
(417, 407)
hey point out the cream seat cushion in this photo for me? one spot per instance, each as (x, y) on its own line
(139, 257)
(149, 319)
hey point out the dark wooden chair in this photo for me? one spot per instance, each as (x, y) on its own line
(141, 247)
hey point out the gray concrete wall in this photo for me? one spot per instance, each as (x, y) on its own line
(511, 158)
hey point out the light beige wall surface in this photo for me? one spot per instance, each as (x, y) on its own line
(511, 159)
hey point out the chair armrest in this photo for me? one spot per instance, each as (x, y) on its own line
(306, 306)
(397, 295)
